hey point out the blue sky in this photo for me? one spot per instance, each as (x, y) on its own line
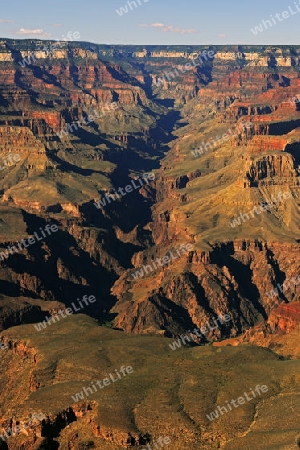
(152, 22)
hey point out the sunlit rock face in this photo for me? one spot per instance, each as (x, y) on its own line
(75, 128)
(238, 104)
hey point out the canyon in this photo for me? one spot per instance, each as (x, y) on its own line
(57, 180)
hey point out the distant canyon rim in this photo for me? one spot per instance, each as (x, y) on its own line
(97, 246)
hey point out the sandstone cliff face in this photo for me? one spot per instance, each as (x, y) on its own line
(285, 318)
(227, 91)
(207, 283)
(227, 280)
(102, 250)
(281, 166)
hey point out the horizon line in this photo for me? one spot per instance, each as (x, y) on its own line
(149, 45)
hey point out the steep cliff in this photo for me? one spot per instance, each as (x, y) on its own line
(237, 104)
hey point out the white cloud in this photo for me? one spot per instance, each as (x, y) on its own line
(171, 29)
(157, 25)
(36, 32)
(221, 35)
(6, 21)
